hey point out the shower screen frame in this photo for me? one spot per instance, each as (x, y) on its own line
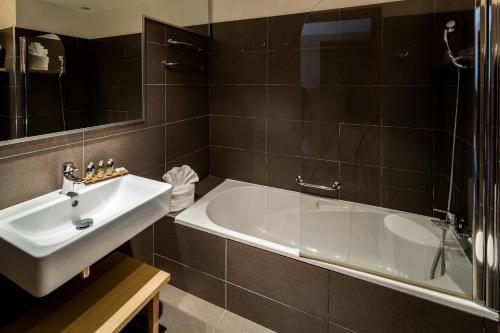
(486, 223)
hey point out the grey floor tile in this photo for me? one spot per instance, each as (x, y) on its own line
(231, 323)
(185, 313)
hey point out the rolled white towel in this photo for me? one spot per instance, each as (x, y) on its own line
(183, 180)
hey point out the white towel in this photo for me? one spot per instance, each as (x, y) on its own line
(183, 180)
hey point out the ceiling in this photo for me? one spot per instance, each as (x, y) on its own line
(97, 5)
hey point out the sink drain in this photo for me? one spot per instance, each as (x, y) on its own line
(84, 224)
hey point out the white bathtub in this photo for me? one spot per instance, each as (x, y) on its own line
(382, 246)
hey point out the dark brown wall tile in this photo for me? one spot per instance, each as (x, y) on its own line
(239, 68)
(192, 34)
(320, 140)
(409, 28)
(407, 106)
(415, 69)
(185, 137)
(360, 183)
(17, 187)
(360, 144)
(359, 64)
(365, 307)
(283, 137)
(284, 67)
(238, 100)
(321, 103)
(241, 35)
(184, 101)
(350, 16)
(196, 249)
(285, 31)
(289, 281)
(192, 69)
(247, 133)
(408, 149)
(141, 246)
(154, 69)
(284, 102)
(195, 35)
(409, 191)
(154, 31)
(360, 105)
(194, 282)
(271, 314)
(282, 171)
(155, 174)
(207, 185)
(238, 164)
(155, 104)
(197, 160)
(138, 151)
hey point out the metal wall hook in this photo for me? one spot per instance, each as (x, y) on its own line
(403, 56)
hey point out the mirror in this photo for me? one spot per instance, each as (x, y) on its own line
(68, 65)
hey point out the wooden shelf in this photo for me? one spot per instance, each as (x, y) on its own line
(105, 177)
(117, 289)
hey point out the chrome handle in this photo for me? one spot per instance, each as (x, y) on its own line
(335, 186)
(174, 43)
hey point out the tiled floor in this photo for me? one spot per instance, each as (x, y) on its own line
(185, 313)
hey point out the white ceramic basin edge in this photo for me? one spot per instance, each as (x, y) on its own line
(40, 247)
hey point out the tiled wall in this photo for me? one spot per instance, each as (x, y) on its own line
(7, 86)
(287, 295)
(175, 132)
(115, 79)
(101, 84)
(360, 103)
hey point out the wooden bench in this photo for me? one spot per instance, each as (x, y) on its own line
(118, 288)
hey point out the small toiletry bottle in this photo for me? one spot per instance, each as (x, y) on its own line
(101, 169)
(92, 167)
(110, 167)
(89, 174)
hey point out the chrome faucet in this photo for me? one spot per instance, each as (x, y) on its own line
(452, 221)
(70, 179)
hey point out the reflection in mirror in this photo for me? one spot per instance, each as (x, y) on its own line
(67, 65)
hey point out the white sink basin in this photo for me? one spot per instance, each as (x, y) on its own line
(40, 246)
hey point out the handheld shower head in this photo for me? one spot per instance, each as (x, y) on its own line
(450, 26)
(61, 69)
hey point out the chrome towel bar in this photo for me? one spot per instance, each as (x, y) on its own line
(175, 43)
(335, 186)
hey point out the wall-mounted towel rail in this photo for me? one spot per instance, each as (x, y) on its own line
(184, 45)
(334, 187)
(177, 66)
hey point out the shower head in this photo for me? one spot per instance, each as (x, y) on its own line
(450, 26)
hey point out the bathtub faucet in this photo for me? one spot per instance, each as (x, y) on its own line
(452, 221)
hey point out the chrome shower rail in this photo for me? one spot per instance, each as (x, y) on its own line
(334, 187)
(175, 43)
